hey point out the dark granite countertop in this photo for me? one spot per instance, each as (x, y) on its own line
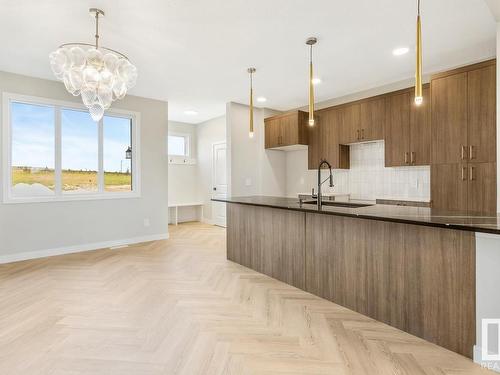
(486, 223)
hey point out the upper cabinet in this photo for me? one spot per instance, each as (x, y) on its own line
(464, 115)
(449, 119)
(350, 131)
(481, 134)
(407, 129)
(372, 114)
(324, 140)
(286, 131)
(420, 129)
(397, 130)
(363, 121)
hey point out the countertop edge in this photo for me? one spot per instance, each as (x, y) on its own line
(372, 217)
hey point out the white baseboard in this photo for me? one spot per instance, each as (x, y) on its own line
(79, 248)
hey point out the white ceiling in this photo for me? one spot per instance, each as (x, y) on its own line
(194, 53)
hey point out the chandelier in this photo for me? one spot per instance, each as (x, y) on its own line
(100, 75)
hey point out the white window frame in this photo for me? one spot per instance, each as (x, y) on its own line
(187, 144)
(59, 196)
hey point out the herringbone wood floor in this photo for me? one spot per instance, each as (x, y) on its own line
(179, 307)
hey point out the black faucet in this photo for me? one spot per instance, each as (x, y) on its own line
(318, 196)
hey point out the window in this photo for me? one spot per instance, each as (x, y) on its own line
(55, 151)
(33, 150)
(178, 145)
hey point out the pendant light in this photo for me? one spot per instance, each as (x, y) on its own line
(418, 66)
(251, 71)
(311, 42)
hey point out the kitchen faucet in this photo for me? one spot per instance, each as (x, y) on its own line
(318, 196)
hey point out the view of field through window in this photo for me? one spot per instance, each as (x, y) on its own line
(34, 151)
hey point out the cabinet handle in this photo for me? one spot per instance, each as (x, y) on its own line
(471, 174)
(464, 170)
(412, 157)
(406, 158)
(462, 152)
(362, 133)
(471, 152)
(358, 137)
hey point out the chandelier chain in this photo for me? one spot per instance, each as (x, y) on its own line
(96, 30)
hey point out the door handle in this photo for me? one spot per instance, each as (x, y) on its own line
(471, 174)
(406, 158)
(464, 170)
(215, 188)
(462, 152)
(471, 152)
(412, 157)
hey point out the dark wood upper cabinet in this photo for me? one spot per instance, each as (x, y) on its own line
(372, 113)
(289, 129)
(449, 119)
(481, 145)
(397, 130)
(420, 130)
(272, 133)
(324, 140)
(351, 129)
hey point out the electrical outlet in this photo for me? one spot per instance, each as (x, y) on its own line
(147, 222)
(248, 181)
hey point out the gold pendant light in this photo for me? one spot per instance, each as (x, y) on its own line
(251, 71)
(311, 42)
(418, 68)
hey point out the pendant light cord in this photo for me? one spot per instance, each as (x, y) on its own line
(418, 8)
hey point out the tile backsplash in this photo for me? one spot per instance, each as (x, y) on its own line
(368, 178)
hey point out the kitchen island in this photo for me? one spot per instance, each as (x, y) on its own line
(414, 268)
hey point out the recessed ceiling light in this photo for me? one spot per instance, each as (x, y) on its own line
(400, 51)
(190, 112)
(261, 99)
(316, 81)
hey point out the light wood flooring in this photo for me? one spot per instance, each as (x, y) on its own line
(179, 307)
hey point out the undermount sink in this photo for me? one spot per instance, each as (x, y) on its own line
(339, 204)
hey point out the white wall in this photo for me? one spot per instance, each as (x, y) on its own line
(253, 170)
(208, 133)
(183, 178)
(30, 227)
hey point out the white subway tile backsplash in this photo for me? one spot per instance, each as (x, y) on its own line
(368, 178)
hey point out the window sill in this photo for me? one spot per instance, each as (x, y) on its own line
(72, 198)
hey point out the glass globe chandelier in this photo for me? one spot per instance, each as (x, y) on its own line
(99, 74)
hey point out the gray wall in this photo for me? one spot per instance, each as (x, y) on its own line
(27, 227)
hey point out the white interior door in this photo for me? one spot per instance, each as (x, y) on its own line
(219, 183)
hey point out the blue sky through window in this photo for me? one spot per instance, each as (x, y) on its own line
(33, 136)
(33, 139)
